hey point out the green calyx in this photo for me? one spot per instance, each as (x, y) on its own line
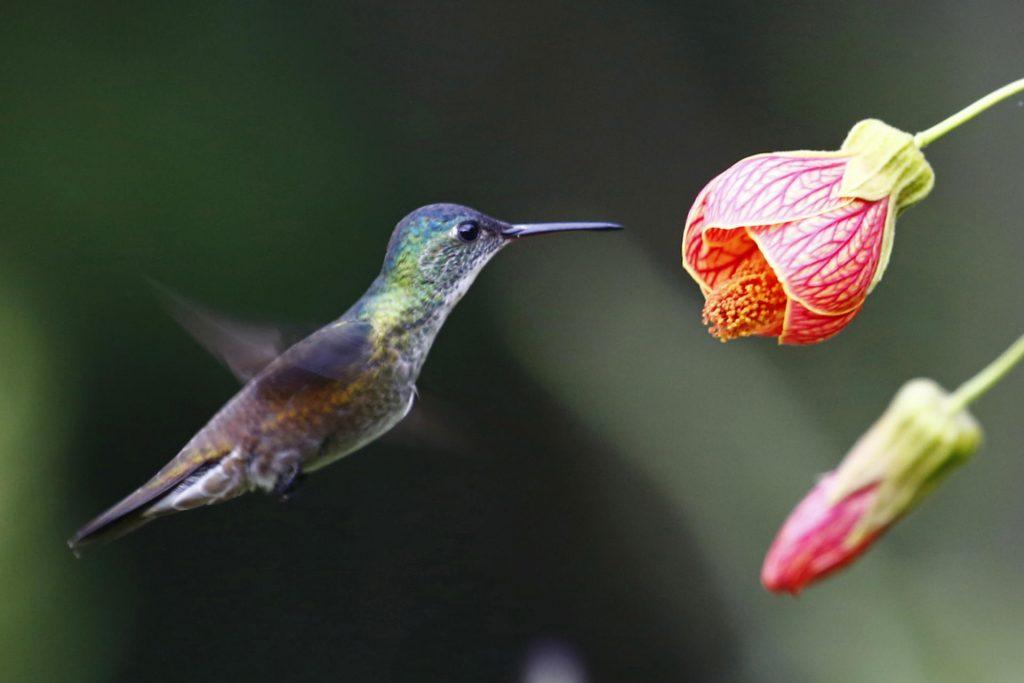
(885, 162)
(922, 436)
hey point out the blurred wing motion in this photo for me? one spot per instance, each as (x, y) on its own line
(244, 348)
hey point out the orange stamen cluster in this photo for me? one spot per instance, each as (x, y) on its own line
(751, 302)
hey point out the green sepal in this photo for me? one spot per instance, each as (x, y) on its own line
(922, 436)
(885, 162)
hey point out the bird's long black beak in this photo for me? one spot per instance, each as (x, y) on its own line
(524, 229)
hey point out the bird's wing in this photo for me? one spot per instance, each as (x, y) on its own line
(333, 355)
(329, 354)
(243, 347)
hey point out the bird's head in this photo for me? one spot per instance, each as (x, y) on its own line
(442, 247)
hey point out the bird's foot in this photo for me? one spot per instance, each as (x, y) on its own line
(288, 482)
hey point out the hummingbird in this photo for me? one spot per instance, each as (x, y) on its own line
(338, 389)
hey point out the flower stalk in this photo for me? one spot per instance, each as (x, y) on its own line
(978, 386)
(930, 135)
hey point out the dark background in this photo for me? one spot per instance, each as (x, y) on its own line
(593, 480)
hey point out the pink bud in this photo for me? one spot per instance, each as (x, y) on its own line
(815, 539)
(922, 436)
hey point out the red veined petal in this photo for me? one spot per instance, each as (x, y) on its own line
(804, 326)
(828, 261)
(775, 188)
(813, 540)
(693, 240)
(710, 263)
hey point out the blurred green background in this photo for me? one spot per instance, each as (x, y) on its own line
(593, 476)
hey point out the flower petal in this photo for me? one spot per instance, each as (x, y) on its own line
(707, 262)
(711, 263)
(813, 540)
(827, 262)
(804, 326)
(775, 188)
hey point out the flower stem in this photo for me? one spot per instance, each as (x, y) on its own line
(926, 137)
(976, 386)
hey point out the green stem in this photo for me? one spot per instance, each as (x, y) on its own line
(926, 137)
(976, 386)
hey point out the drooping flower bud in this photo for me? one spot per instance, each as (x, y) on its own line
(919, 439)
(789, 244)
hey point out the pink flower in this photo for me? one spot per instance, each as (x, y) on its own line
(789, 244)
(922, 436)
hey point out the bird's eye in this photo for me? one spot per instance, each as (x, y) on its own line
(468, 231)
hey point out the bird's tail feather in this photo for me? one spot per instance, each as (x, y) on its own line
(138, 509)
(101, 530)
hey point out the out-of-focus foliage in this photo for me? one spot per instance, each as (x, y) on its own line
(52, 623)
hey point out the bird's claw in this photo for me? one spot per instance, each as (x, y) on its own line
(288, 482)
